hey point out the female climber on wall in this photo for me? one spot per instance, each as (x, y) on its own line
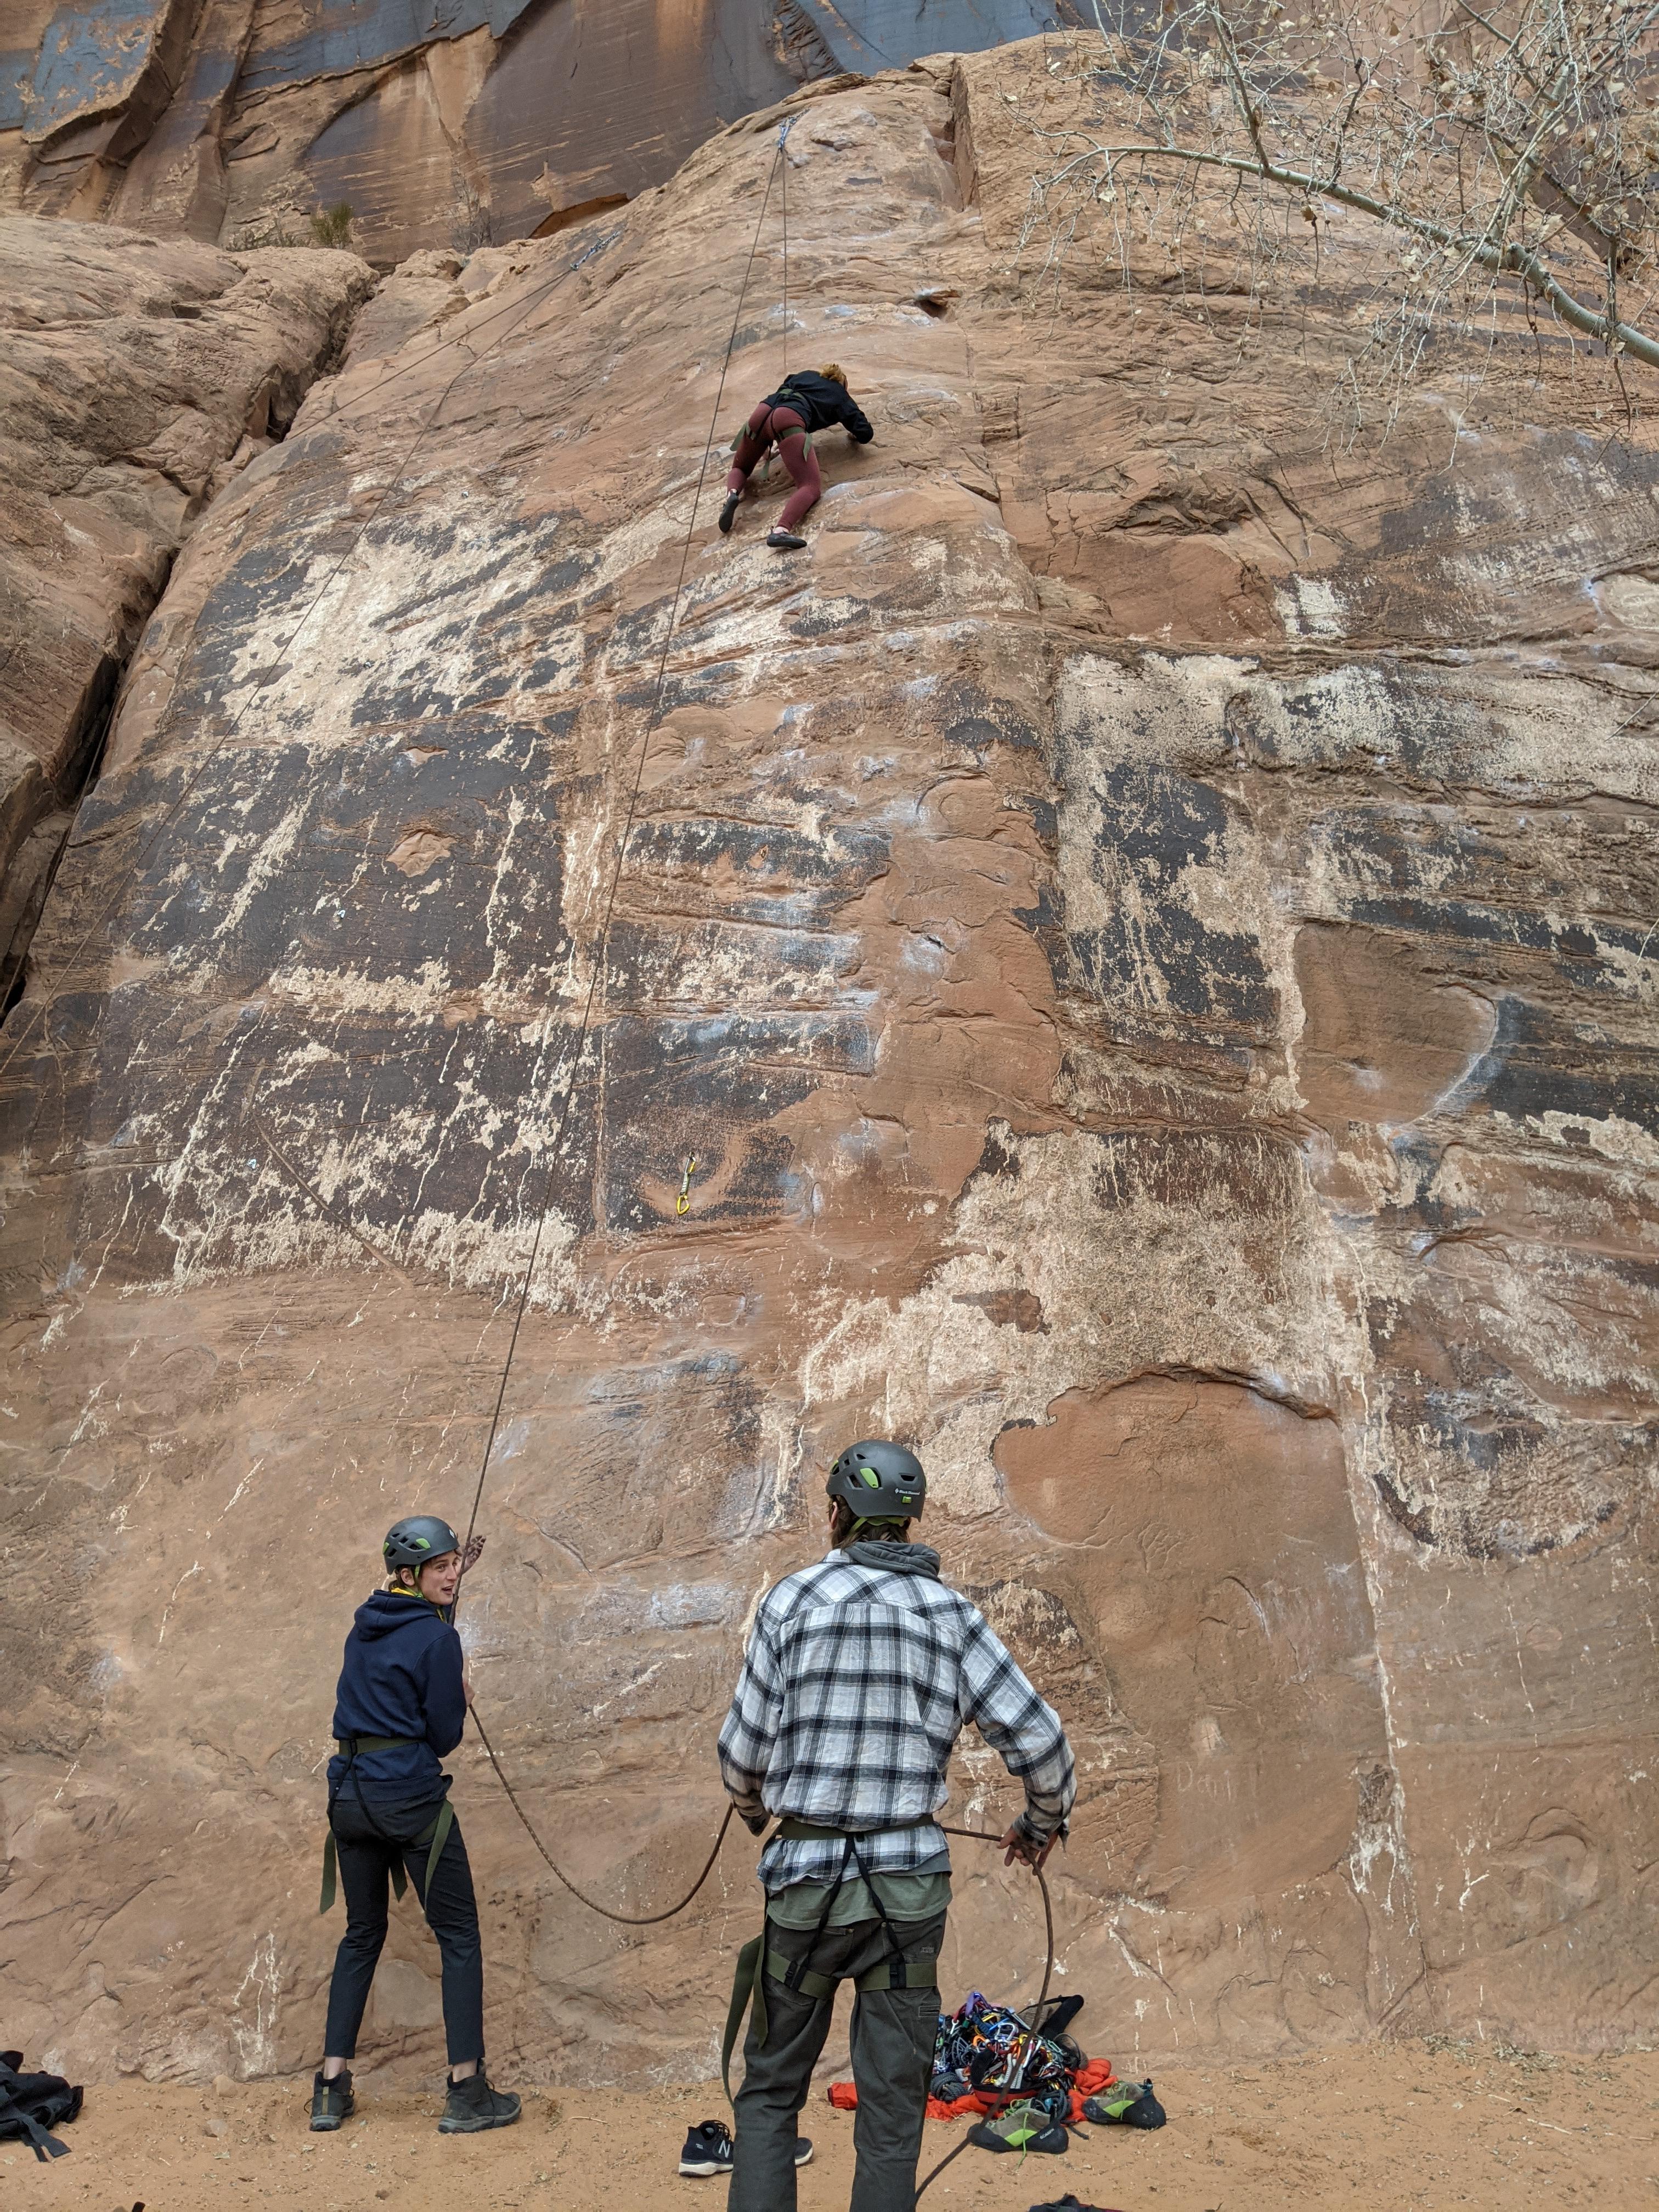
(811, 400)
(400, 1708)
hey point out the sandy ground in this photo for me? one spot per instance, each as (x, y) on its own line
(1400, 2124)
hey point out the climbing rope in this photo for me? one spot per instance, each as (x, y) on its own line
(604, 939)
(571, 1086)
(652, 1919)
(622, 1919)
(783, 136)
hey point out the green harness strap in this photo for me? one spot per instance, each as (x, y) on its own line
(749, 1985)
(764, 465)
(436, 1834)
(746, 1985)
(755, 1961)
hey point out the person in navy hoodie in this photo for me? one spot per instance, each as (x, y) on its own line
(400, 1711)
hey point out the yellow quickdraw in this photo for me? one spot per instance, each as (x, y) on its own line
(683, 1203)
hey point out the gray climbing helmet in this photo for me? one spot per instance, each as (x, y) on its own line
(878, 1481)
(421, 1538)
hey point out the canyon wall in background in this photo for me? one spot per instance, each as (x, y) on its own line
(458, 125)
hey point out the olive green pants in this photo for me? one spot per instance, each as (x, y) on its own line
(893, 2034)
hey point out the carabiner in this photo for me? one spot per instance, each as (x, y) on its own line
(683, 1205)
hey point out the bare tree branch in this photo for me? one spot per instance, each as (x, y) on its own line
(1508, 260)
(1514, 143)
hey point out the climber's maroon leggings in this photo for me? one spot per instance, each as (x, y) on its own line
(781, 426)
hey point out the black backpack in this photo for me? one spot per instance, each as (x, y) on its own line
(32, 2105)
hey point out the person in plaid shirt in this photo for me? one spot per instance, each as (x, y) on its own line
(859, 1675)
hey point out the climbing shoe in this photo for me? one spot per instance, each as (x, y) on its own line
(473, 2105)
(330, 2103)
(786, 541)
(727, 511)
(1022, 2127)
(1125, 2105)
(708, 2149)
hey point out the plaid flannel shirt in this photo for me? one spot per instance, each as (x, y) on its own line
(857, 1682)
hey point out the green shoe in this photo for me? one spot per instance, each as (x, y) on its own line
(1125, 2105)
(330, 2103)
(473, 2105)
(1021, 2127)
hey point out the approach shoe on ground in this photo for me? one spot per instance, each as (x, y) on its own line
(330, 2103)
(708, 2149)
(473, 2105)
(1125, 2105)
(1022, 2127)
(727, 511)
(785, 541)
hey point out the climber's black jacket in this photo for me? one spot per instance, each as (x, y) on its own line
(819, 401)
(402, 1677)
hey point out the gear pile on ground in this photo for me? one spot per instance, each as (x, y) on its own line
(985, 2052)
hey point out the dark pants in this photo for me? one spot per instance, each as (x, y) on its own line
(367, 1858)
(787, 428)
(893, 2035)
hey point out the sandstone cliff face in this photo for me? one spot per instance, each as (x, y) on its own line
(442, 127)
(138, 377)
(1146, 931)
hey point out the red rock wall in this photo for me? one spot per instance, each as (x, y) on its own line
(482, 121)
(1146, 929)
(140, 376)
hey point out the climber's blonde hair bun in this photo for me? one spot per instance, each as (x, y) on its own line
(835, 373)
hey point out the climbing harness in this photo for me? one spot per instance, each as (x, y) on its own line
(683, 1203)
(434, 1835)
(755, 1961)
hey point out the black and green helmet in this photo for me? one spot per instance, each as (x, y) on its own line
(414, 1541)
(879, 1481)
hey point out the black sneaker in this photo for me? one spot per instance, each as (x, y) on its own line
(728, 511)
(785, 541)
(708, 2149)
(330, 2103)
(473, 2105)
